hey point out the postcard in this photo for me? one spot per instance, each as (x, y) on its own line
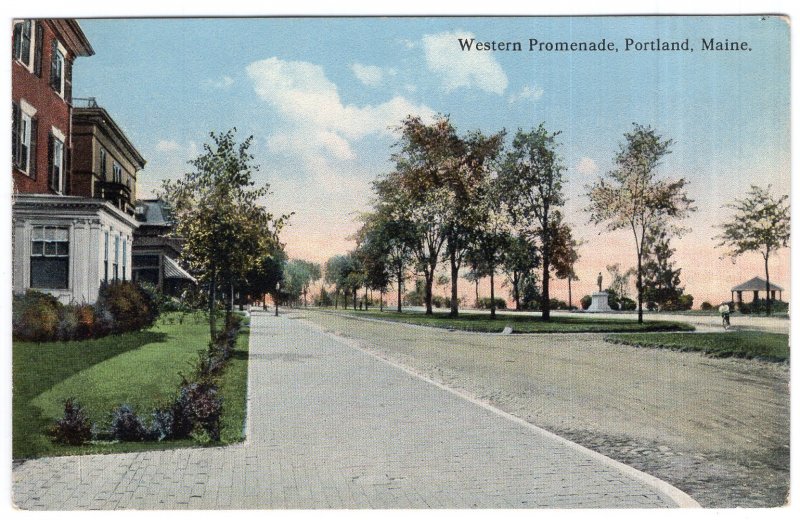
(400, 262)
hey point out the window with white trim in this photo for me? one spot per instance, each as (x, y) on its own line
(116, 170)
(105, 260)
(57, 177)
(57, 62)
(24, 130)
(50, 257)
(23, 39)
(103, 163)
(124, 259)
(116, 258)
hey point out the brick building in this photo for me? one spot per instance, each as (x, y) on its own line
(66, 239)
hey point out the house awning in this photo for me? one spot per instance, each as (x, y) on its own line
(757, 284)
(173, 270)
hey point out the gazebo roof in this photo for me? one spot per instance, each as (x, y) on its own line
(757, 284)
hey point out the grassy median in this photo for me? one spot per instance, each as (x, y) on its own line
(768, 346)
(474, 322)
(142, 369)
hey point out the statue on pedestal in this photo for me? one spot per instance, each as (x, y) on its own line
(599, 282)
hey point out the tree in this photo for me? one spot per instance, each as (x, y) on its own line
(264, 275)
(436, 178)
(386, 249)
(620, 280)
(564, 255)
(660, 277)
(632, 197)
(225, 229)
(532, 176)
(300, 274)
(519, 261)
(760, 223)
(336, 270)
(491, 235)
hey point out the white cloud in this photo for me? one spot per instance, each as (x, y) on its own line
(457, 68)
(370, 75)
(223, 83)
(586, 166)
(317, 119)
(167, 146)
(527, 93)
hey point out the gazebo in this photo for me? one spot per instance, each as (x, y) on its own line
(756, 284)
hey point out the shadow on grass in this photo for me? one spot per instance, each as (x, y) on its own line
(37, 367)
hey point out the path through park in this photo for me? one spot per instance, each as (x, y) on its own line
(331, 426)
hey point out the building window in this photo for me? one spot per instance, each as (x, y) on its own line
(117, 172)
(50, 257)
(22, 41)
(24, 130)
(57, 69)
(57, 176)
(115, 270)
(105, 260)
(103, 163)
(124, 259)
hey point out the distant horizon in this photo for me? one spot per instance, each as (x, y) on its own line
(319, 95)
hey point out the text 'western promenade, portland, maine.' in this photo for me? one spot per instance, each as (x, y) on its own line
(605, 45)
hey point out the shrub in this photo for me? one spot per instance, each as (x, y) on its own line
(198, 405)
(74, 428)
(85, 317)
(586, 302)
(706, 306)
(36, 316)
(67, 324)
(626, 304)
(486, 303)
(131, 307)
(760, 307)
(161, 426)
(126, 425)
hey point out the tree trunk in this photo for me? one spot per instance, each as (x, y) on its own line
(381, 300)
(305, 292)
(766, 269)
(366, 299)
(491, 294)
(399, 289)
(429, 293)
(453, 285)
(569, 291)
(515, 287)
(355, 296)
(545, 286)
(336, 300)
(477, 299)
(212, 304)
(639, 285)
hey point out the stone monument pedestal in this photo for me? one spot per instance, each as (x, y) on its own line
(599, 303)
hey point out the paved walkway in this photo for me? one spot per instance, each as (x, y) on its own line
(330, 426)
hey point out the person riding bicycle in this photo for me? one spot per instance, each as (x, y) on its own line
(725, 311)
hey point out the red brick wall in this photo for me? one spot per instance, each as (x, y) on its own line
(51, 110)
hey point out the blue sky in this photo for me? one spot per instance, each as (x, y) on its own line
(318, 94)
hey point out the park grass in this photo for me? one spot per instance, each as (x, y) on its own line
(142, 369)
(769, 346)
(474, 322)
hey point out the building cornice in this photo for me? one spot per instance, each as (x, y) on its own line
(67, 206)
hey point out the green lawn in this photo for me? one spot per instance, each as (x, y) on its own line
(140, 368)
(746, 344)
(521, 323)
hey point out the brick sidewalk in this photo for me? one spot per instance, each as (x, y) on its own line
(333, 427)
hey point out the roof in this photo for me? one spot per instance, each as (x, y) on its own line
(757, 284)
(73, 36)
(153, 212)
(98, 116)
(173, 270)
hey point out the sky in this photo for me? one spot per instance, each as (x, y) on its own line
(321, 97)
